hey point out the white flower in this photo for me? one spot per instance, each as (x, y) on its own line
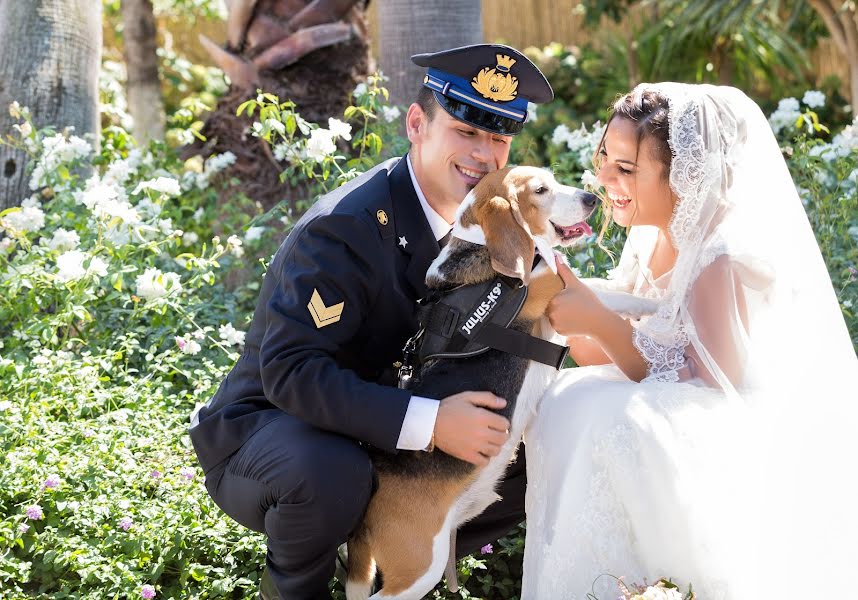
(320, 144)
(813, 98)
(188, 345)
(189, 238)
(254, 233)
(340, 128)
(853, 231)
(154, 284)
(659, 593)
(25, 129)
(219, 162)
(148, 209)
(234, 245)
(589, 179)
(166, 226)
(198, 214)
(70, 265)
(97, 267)
(390, 113)
(31, 202)
(292, 152)
(231, 335)
(783, 118)
(788, 105)
(165, 185)
(560, 135)
(63, 240)
(360, 90)
(15, 109)
(28, 218)
(56, 151)
(119, 171)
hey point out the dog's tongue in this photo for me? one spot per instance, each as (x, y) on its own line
(577, 230)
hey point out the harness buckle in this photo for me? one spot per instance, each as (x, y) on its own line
(409, 351)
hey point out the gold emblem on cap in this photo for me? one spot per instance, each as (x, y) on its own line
(382, 217)
(497, 84)
(324, 315)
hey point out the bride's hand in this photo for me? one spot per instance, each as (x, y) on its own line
(575, 310)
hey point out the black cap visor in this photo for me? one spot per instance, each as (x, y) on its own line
(478, 117)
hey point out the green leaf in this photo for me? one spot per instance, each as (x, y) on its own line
(249, 106)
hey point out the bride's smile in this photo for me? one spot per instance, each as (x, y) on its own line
(632, 171)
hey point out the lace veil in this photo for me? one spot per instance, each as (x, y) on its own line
(749, 308)
(749, 300)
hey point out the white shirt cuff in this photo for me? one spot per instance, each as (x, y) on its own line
(419, 423)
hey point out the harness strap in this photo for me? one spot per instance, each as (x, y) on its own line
(523, 345)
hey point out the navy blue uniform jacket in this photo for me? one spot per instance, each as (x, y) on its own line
(347, 248)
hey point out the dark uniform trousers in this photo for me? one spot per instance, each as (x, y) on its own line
(306, 489)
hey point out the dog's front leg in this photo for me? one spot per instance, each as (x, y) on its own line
(627, 305)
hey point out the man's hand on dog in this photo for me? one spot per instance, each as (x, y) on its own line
(466, 430)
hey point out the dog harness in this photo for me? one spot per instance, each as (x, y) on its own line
(472, 319)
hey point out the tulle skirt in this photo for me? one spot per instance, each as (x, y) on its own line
(651, 480)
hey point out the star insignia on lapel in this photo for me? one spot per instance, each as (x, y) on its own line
(402, 241)
(324, 315)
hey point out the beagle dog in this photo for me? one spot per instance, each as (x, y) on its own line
(408, 531)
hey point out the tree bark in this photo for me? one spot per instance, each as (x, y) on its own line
(51, 51)
(409, 27)
(140, 32)
(842, 24)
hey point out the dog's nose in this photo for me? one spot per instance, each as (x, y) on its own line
(590, 200)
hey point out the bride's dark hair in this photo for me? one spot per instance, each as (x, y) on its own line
(649, 110)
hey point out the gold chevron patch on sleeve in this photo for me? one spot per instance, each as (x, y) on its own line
(324, 315)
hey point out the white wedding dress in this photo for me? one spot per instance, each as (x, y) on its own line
(731, 466)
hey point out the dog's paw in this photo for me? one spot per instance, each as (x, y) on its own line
(628, 305)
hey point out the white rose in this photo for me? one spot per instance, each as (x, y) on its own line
(64, 240)
(154, 284)
(165, 185)
(231, 335)
(390, 113)
(254, 233)
(29, 218)
(320, 145)
(70, 265)
(339, 128)
(813, 99)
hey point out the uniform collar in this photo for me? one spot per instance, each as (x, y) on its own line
(440, 227)
(414, 236)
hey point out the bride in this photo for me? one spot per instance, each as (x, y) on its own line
(713, 442)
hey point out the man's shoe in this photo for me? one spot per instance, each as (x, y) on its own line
(267, 589)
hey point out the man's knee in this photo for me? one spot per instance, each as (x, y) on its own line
(334, 476)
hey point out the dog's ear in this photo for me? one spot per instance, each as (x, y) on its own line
(508, 237)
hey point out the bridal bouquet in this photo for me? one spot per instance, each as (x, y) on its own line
(663, 589)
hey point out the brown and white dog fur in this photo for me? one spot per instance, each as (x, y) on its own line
(409, 528)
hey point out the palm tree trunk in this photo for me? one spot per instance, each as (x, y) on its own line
(51, 52)
(842, 24)
(409, 27)
(141, 60)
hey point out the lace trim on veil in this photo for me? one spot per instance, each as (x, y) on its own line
(697, 175)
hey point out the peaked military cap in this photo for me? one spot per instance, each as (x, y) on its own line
(485, 85)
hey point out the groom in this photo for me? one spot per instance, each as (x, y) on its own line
(283, 440)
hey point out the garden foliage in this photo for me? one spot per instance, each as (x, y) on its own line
(125, 287)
